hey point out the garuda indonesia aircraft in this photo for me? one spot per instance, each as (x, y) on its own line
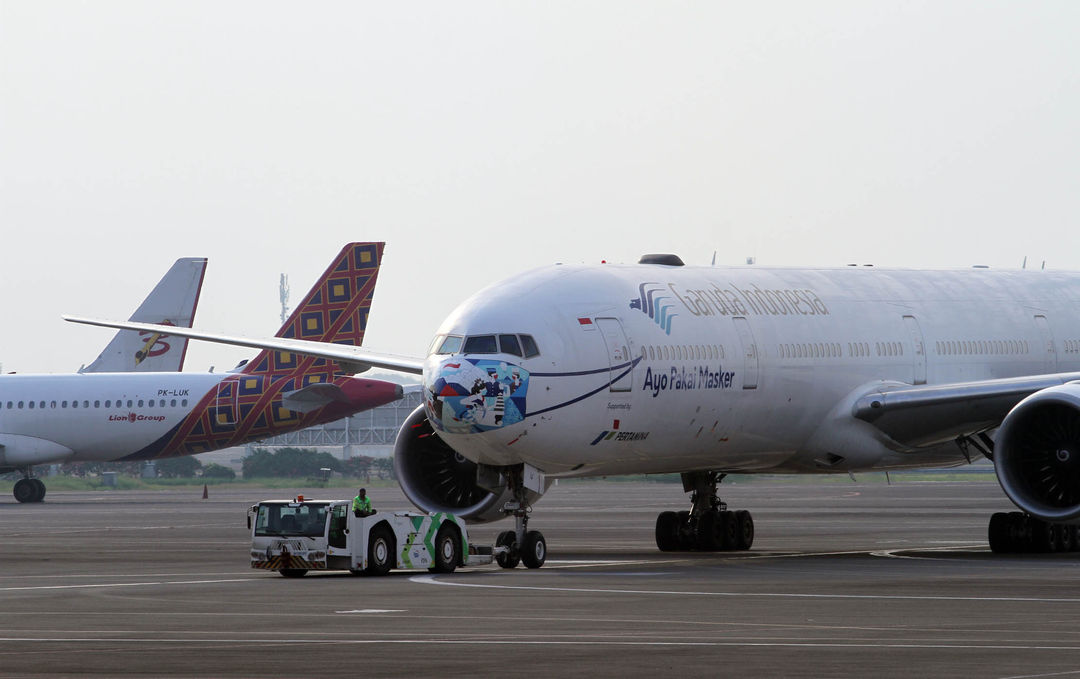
(142, 416)
(657, 367)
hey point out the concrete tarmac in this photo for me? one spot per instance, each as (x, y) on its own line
(845, 579)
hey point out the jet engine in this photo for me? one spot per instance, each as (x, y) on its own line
(436, 478)
(1037, 454)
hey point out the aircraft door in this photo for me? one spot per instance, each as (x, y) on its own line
(225, 403)
(618, 351)
(750, 352)
(1048, 351)
(918, 349)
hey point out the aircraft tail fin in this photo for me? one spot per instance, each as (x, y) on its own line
(334, 310)
(172, 302)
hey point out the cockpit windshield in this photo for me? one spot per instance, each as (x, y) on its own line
(291, 519)
(514, 345)
(448, 344)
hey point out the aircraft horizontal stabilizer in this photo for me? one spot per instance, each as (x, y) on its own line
(313, 397)
(351, 358)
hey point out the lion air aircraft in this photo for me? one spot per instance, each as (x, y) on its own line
(172, 302)
(143, 416)
(657, 367)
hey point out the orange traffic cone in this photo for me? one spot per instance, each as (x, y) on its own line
(205, 494)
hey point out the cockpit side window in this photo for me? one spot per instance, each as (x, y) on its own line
(481, 344)
(451, 344)
(529, 345)
(508, 344)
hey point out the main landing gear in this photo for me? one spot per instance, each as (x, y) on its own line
(1013, 532)
(522, 545)
(709, 526)
(29, 489)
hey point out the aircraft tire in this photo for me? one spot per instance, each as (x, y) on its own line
(534, 551)
(1067, 539)
(447, 544)
(40, 485)
(744, 530)
(25, 490)
(1043, 536)
(1021, 533)
(999, 534)
(710, 531)
(380, 551)
(667, 532)
(687, 537)
(510, 559)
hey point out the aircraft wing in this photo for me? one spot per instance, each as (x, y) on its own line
(351, 358)
(925, 414)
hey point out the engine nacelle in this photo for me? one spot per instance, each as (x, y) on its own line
(436, 478)
(1037, 454)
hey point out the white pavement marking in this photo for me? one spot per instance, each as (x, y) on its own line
(432, 580)
(895, 553)
(100, 585)
(534, 642)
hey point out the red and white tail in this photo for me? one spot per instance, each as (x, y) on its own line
(335, 310)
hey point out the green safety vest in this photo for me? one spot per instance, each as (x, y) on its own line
(363, 504)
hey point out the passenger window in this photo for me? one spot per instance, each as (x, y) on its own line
(172, 403)
(529, 345)
(97, 404)
(508, 344)
(151, 403)
(450, 345)
(31, 405)
(481, 344)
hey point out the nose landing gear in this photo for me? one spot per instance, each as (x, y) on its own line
(709, 525)
(522, 545)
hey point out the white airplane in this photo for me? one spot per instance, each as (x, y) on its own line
(172, 302)
(141, 416)
(573, 371)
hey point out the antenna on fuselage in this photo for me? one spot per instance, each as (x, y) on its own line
(1024, 265)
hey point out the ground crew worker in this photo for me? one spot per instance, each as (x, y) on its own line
(361, 504)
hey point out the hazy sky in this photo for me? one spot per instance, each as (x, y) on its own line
(479, 139)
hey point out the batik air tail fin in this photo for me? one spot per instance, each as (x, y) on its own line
(172, 302)
(334, 310)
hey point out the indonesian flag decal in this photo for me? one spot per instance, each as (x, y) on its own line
(586, 324)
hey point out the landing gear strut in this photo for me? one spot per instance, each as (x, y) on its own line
(29, 489)
(709, 525)
(524, 545)
(1012, 532)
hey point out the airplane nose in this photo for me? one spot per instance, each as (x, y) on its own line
(465, 395)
